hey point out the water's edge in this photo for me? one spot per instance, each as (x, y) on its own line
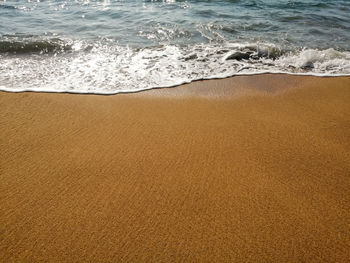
(4, 89)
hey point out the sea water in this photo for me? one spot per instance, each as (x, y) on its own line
(116, 46)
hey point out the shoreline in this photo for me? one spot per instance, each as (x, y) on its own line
(268, 73)
(248, 168)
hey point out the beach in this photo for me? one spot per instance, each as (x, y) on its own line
(243, 169)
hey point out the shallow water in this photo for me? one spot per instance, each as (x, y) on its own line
(116, 46)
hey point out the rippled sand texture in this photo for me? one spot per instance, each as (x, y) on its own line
(247, 169)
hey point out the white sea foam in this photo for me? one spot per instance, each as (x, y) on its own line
(106, 68)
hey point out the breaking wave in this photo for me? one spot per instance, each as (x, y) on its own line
(103, 67)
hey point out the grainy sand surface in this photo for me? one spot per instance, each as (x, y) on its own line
(246, 169)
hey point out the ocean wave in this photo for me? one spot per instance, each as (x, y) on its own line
(107, 68)
(30, 44)
(43, 46)
(7, 7)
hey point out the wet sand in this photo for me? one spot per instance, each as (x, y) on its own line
(251, 168)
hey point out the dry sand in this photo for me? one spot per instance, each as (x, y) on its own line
(253, 169)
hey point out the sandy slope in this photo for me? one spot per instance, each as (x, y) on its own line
(252, 169)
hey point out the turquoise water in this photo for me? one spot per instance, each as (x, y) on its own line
(116, 46)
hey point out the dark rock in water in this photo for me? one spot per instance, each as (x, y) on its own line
(254, 57)
(263, 54)
(308, 65)
(239, 55)
(222, 51)
(189, 57)
(203, 60)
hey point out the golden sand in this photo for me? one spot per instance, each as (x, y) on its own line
(246, 169)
